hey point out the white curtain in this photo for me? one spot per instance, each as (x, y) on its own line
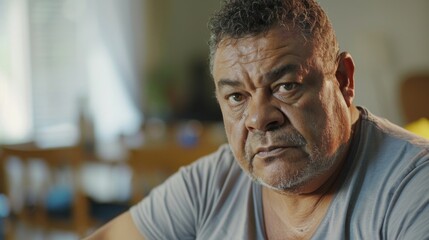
(104, 55)
(15, 88)
(114, 30)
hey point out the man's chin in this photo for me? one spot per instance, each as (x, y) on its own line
(285, 185)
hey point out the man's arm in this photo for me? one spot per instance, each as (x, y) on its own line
(121, 227)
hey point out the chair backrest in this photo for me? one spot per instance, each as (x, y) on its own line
(33, 174)
(152, 165)
(415, 97)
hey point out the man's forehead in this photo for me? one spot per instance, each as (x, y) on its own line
(258, 47)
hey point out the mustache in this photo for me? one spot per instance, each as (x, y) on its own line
(290, 138)
(286, 138)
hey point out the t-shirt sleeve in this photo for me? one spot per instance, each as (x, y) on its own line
(176, 208)
(169, 211)
(409, 215)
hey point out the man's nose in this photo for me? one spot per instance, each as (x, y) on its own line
(263, 115)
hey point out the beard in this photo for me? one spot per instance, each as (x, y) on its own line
(291, 181)
(316, 163)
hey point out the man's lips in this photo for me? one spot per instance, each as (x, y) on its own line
(268, 152)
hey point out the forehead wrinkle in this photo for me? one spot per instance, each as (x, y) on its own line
(254, 57)
(251, 49)
(260, 54)
(262, 74)
(270, 72)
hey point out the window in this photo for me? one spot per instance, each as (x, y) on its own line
(56, 69)
(56, 55)
(15, 92)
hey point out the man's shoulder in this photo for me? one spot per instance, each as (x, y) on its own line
(382, 130)
(222, 158)
(387, 154)
(214, 167)
(384, 183)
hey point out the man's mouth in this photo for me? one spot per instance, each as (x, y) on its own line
(269, 152)
(273, 151)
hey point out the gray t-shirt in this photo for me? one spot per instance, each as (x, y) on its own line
(384, 194)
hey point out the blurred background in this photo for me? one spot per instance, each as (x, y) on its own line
(113, 75)
(123, 62)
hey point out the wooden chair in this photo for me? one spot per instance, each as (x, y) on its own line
(30, 201)
(415, 97)
(151, 165)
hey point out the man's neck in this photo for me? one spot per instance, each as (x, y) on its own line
(294, 216)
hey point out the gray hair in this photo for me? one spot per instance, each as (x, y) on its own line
(240, 18)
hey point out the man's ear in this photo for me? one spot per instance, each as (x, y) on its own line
(345, 76)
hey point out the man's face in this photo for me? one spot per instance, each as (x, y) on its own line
(285, 119)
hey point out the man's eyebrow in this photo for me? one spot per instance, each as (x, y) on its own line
(228, 83)
(271, 76)
(279, 72)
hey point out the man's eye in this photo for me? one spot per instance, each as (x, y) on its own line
(235, 98)
(286, 87)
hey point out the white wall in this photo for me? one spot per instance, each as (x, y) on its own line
(387, 39)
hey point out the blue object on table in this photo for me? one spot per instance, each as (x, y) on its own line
(4, 213)
(59, 198)
(4, 206)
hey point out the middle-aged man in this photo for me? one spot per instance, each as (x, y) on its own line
(302, 162)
